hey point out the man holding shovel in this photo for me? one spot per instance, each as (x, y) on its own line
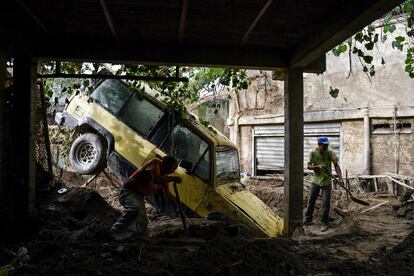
(320, 160)
(148, 179)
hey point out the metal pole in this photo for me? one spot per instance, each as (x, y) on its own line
(367, 144)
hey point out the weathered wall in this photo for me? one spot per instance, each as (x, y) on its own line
(218, 120)
(353, 146)
(245, 149)
(391, 85)
(263, 96)
(383, 146)
(262, 103)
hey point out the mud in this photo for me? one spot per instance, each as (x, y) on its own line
(71, 237)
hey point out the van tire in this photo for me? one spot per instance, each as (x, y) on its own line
(88, 154)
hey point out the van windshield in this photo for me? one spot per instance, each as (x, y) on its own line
(227, 165)
(111, 94)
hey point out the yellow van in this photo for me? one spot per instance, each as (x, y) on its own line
(120, 129)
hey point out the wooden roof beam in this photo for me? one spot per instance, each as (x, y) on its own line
(32, 15)
(255, 21)
(338, 29)
(183, 19)
(108, 18)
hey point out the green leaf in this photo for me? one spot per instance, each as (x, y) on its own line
(368, 59)
(371, 29)
(333, 92)
(372, 71)
(86, 83)
(369, 45)
(359, 36)
(391, 28)
(400, 39)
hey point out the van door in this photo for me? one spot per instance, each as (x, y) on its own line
(185, 144)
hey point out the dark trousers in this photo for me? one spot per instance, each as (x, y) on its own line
(326, 201)
(134, 213)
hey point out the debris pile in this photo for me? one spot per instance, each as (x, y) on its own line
(72, 237)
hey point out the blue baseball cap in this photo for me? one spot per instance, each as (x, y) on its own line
(323, 140)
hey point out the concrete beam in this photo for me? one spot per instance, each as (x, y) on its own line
(293, 187)
(3, 198)
(312, 116)
(126, 51)
(132, 51)
(336, 29)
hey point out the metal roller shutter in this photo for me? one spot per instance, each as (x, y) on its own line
(269, 143)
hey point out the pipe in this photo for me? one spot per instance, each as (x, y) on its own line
(236, 122)
(367, 144)
(396, 141)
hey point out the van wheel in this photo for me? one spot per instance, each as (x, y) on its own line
(88, 154)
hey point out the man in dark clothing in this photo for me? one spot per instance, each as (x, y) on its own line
(148, 179)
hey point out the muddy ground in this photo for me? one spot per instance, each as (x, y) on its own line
(71, 237)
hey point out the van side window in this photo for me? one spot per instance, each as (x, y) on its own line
(111, 94)
(140, 114)
(185, 144)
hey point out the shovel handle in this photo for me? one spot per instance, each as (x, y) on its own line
(180, 210)
(359, 201)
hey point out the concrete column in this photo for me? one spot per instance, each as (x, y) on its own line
(3, 198)
(293, 189)
(367, 143)
(23, 157)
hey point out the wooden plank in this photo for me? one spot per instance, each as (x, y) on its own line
(183, 19)
(337, 29)
(108, 18)
(256, 20)
(401, 183)
(374, 207)
(372, 176)
(90, 180)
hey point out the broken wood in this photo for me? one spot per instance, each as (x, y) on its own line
(90, 180)
(375, 207)
(376, 185)
(346, 185)
(110, 179)
(400, 183)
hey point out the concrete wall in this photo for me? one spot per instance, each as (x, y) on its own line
(352, 132)
(383, 149)
(262, 103)
(218, 120)
(245, 147)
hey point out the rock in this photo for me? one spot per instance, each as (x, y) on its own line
(120, 249)
(105, 255)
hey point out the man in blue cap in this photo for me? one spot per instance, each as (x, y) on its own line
(319, 158)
